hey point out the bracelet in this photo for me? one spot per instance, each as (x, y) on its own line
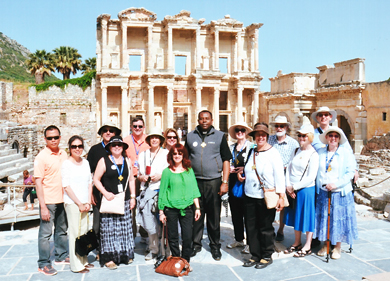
(197, 208)
(224, 182)
(132, 196)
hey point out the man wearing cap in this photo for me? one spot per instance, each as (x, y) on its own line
(137, 144)
(210, 156)
(96, 152)
(286, 145)
(47, 173)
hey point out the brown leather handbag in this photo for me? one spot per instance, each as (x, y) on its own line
(174, 266)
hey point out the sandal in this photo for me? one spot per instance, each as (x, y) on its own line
(293, 248)
(302, 253)
(111, 265)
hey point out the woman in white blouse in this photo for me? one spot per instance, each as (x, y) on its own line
(266, 161)
(77, 184)
(300, 181)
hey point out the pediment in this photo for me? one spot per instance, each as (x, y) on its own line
(137, 14)
(184, 17)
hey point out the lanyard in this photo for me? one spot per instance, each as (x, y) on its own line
(103, 144)
(135, 148)
(152, 160)
(235, 154)
(328, 168)
(116, 166)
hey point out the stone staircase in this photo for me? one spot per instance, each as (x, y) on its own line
(12, 164)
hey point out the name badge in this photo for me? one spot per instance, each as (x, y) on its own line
(120, 188)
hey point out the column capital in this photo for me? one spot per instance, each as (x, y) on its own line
(104, 88)
(216, 89)
(240, 88)
(151, 87)
(124, 87)
(199, 88)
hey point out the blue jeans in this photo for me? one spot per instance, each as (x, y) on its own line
(58, 218)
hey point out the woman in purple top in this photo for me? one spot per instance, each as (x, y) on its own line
(28, 180)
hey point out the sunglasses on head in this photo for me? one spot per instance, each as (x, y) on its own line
(336, 136)
(77, 146)
(280, 126)
(323, 114)
(302, 136)
(138, 126)
(108, 130)
(242, 130)
(50, 138)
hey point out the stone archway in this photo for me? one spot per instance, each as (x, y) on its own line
(345, 123)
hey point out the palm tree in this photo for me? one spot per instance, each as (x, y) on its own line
(88, 65)
(67, 60)
(40, 64)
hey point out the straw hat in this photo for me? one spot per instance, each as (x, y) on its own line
(343, 138)
(324, 109)
(280, 120)
(155, 132)
(232, 132)
(116, 139)
(259, 128)
(111, 125)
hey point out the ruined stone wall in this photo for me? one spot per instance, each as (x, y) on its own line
(6, 93)
(25, 139)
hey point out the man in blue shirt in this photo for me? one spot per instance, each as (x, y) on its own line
(286, 145)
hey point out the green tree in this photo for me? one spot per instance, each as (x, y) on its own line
(88, 65)
(40, 64)
(67, 60)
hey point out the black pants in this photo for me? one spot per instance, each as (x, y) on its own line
(261, 235)
(96, 215)
(210, 204)
(26, 192)
(174, 216)
(237, 210)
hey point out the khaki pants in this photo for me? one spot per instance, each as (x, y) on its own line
(77, 263)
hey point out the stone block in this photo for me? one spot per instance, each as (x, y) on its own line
(362, 182)
(361, 200)
(377, 171)
(378, 203)
(386, 196)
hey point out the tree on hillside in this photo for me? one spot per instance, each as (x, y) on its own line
(88, 65)
(40, 64)
(66, 61)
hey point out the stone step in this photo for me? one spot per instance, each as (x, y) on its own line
(14, 170)
(14, 163)
(4, 146)
(11, 157)
(8, 152)
(18, 177)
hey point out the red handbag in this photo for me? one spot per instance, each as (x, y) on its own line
(174, 266)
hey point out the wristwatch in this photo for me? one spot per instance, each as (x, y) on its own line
(224, 182)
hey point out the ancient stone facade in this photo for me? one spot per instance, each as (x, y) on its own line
(340, 87)
(182, 66)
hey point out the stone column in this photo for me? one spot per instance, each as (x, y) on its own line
(104, 43)
(124, 45)
(239, 62)
(216, 49)
(235, 54)
(170, 46)
(104, 104)
(198, 99)
(124, 111)
(170, 107)
(252, 52)
(240, 89)
(198, 58)
(255, 107)
(150, 47)
(150, 107)
(256, 51)
(216, 108)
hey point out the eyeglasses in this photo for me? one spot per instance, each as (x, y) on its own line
(77, 146)
(323, 114)
(108, 130)
(117, 144)
(138, 126)
(242, 130)
(50, 138)
(280, 126)
(336, 136)
(171, 137)
(302, 136)
(177, 153)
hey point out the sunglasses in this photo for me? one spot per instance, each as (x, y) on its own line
(77, 146)
(323, 114)
(302, 136)
(50, 138)
(177, 153)
(171, 137)
(336, 136)
(108, 130)
(242, 130)
(280, 126)
(117, 144)
(138, 126)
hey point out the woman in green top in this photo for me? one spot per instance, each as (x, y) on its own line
(178, 192)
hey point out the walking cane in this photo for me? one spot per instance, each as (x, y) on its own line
(354, 187)
(328, 238)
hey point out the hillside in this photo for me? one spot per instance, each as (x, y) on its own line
(12, 62)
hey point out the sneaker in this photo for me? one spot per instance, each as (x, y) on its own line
(47, 270)
(65, 261)
(150, 256)
(322, 252)
(246, 250)
(235, 244)
(279, 237)
(336, 253)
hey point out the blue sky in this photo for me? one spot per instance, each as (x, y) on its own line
(297, 35)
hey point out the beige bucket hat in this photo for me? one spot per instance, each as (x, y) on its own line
(232, 128)
(343, 138)
(155, 131)
(324, 109)
(111, 125)
(280, 120)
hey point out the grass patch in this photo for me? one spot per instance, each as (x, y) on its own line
(83, 82)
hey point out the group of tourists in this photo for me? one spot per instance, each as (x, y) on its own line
(163, 184)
